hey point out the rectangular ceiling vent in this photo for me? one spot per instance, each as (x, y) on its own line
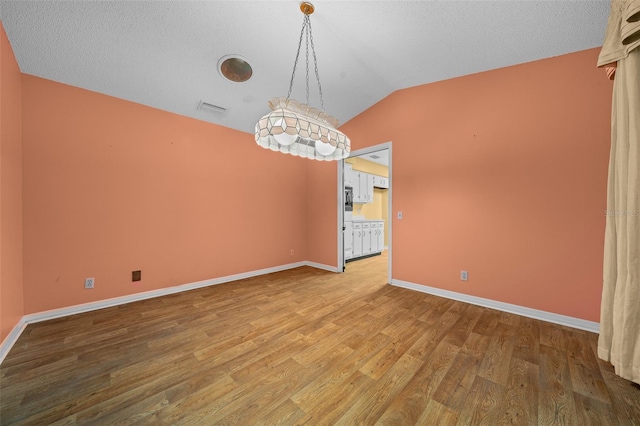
(374, 156)
(214, 109)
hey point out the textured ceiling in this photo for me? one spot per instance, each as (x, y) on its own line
(164, 53)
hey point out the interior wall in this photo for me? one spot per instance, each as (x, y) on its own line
(11, 279)
(322, 206)
(502, 174)
(112, 186)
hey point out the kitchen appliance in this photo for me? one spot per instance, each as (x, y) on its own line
(348, 203)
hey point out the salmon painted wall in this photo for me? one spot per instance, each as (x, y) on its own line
(11, 291)
(502, 174)
(322, 211)
(112, 186)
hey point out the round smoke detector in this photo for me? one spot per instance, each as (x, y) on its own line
(235, 68)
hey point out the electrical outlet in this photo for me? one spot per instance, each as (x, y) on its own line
(89, 283)
(292, 252)
(464, 276)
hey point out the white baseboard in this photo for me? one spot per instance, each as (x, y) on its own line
(322, 266)
(13, 336)
(568, 321)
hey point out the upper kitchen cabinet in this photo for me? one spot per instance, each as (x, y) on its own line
(380, 182)
(362, 187)
(363, 183)
(348, 175)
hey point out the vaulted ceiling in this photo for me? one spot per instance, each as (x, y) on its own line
(165, 54)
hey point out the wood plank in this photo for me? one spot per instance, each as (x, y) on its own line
(578, 348)
(499, 354)
(286, 413)
(455, 385)
(527, 344)
(436, 413)
(487, 322)
(393, 351)
(520, 399)
(625, 398)
(594, 412)
(483, 405)
(552, 335)
(193, 407)
(333, 399)
(412, 401)
(460, 331)
(556, 405)
(588, 382)
(374, 401)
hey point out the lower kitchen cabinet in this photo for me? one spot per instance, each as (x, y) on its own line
(357, 239)
(348, 240)
(365, 238)
(381, 236)
(377, 237)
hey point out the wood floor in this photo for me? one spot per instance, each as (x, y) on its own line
(309, 347)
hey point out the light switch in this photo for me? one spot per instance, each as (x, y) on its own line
(399, 215)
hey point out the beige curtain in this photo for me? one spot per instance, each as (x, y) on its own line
(619, 340)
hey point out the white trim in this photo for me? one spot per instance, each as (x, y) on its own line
(323, 266)
(568, 321)
(341, 259)
(389, 225)
(13, 336)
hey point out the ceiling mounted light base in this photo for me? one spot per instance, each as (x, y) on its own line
(306, 8)
(235, 68)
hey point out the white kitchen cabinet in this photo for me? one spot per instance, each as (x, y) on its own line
(377, 237)
(355, 183)
(362, 187)
(369, 190)
(348, 175)
(374, 238)
(380, 182)
(357, 239)
(357, 187)
(348, 240)
(366, 238)
(380, 236)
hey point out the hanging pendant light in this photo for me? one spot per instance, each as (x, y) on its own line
(296, 128)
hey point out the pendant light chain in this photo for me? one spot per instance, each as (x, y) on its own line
(308, 35)
(307, 23)
(295, 63)
(315, 62)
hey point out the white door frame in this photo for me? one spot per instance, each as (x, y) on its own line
(363, 151)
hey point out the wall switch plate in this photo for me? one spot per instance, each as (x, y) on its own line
(89, 283)
(464, 276)
(136, 275)
(399, 215)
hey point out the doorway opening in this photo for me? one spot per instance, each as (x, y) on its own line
(365, 206)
